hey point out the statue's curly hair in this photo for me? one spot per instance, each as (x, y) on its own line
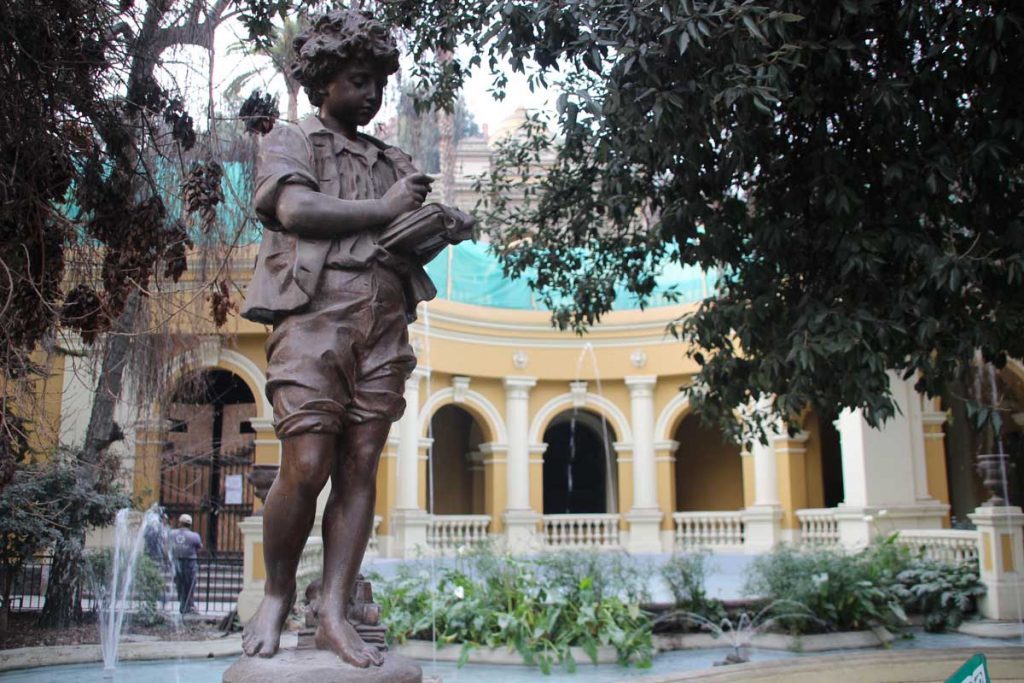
(335, 38)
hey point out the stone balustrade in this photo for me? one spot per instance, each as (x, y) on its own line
(582, 531)
(447, 533)
(711, 530)
(942, 545)
(818, 526)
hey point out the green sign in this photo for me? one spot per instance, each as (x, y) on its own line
(974, 670)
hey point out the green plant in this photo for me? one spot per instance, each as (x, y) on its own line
(943, 593)
(842, 591)
(686, 576)
(148, 585)
(541, 608)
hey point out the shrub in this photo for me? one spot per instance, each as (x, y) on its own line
(842, 591)
(686, 576)
(943, 593)
(539, 607)
(148, 586)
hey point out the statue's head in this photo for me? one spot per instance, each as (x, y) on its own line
(336, 41)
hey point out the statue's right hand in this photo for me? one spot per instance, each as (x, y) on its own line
(407, 194)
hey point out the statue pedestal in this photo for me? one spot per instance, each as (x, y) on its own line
(309, 665)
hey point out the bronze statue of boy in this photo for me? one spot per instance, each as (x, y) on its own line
(338, 356)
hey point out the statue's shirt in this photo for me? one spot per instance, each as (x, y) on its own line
(288, 266)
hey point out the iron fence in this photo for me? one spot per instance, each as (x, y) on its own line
(219, 580)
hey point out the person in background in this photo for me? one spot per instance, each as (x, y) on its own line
(184, 545)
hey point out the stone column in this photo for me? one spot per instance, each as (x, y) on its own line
(935, 456)
(266, 463)
(885, 478)
(791, 475)
(537, 476)
(387, 485)
(495, 464)
(520, 519)
(409, 520)
(645, 516)
(665, 469)
(150, 440)
(475, 460)
(762, 520)
(1001, 557)
(254, 572)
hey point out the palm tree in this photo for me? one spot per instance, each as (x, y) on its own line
(280, 54)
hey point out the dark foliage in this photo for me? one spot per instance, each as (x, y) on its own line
(850, 170)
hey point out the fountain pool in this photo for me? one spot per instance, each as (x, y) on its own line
(211, 670)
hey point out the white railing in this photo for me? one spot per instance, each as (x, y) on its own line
(311, 562)
(818, 526)
(942, 545)
(373, 547)
(581, 531)
(708, 530)
(447, 533)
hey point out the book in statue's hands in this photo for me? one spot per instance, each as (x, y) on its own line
(423, 233)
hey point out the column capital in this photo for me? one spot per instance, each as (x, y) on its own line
(420, 372)
(640, 384)
(262, 424)
(492, 448)
(154, 425)
(518, 387)
(669, 446)
(933, 418)
(799, 437)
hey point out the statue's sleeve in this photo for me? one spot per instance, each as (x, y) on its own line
(284, 159)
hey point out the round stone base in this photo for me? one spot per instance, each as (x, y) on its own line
(320, 666)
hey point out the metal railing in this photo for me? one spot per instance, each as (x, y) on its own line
(447, 533)
(818, 526)
(219, 580)
(28, 584)
(714, 530)
(952, 546)
(582, 531)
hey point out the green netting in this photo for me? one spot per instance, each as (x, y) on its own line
(469, 273)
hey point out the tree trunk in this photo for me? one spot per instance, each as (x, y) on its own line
(293, 98)
(63, 606)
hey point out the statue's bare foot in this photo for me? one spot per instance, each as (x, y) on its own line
(262, 635)
(340, 637)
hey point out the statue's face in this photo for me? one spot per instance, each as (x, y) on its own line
(353, 97)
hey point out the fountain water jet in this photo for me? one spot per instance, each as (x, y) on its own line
(115, 596)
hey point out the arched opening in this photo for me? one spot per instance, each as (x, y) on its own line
(824, 462)
(209, 452)
(709, 472)
(579, 466)
(456, 467)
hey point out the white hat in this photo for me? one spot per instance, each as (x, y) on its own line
(185, 519)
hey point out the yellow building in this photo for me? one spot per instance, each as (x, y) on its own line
(539, 439)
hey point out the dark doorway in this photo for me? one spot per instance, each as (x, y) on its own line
(575, 468)
(831, 462)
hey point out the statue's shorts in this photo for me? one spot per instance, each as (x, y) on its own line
(345, 358)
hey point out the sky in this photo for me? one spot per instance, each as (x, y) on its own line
(188, 69)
